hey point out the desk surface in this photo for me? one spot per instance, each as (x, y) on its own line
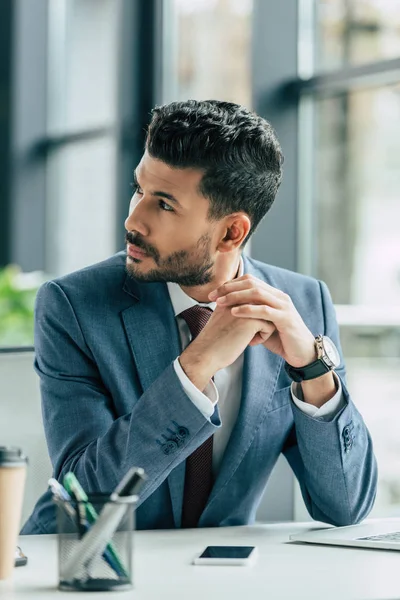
(163, 569)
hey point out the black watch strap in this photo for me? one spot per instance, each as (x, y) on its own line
(311, 371)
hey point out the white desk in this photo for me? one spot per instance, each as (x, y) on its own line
(163, 569)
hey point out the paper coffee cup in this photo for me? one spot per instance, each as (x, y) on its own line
(12, 481)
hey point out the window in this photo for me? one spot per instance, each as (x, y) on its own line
(356, 32)
(358, 255)
(357, 192)
(351, 171)
(82, 98)
(83, 85)
(208, 50)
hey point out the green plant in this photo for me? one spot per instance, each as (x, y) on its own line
(16, 308)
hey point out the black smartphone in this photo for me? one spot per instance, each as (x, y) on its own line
(226, 555)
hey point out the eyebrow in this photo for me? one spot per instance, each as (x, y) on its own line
(160, 193)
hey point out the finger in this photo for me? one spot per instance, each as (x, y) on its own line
(264, 285)
(235, 285)
(267, 326)
(251, 296)
(248, 281)
(261, 339)
(257, 339)
(265, 313)
(275, 292)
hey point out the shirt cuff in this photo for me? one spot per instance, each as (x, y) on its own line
(328, 410)
(204, 402)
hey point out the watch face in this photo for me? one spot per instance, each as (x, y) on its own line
(331, 351)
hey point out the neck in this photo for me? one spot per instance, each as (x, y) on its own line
(225, 269)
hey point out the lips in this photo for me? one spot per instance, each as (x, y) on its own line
(136, 252)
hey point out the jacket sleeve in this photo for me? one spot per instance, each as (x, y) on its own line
(333, 459)
(83, 433)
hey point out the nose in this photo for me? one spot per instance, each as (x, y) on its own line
(134, 221)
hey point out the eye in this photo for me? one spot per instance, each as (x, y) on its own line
(164, 206)
(136, 189)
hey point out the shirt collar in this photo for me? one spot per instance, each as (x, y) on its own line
(181, 301)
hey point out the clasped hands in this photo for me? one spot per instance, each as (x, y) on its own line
(263, 315)
(282, 331)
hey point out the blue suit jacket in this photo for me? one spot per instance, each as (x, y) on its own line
(105, 346)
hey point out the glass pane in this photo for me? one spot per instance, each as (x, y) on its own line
(80, 230)
(211, 51)
(81, 206)
(356, 32)
(357, 196)
(82, 59)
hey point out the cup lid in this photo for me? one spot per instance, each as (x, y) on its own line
(12, 456)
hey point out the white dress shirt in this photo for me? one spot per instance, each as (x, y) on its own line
(226, 389)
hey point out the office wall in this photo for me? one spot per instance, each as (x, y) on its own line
(21, 421)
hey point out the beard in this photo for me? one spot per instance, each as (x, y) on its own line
(189, 268)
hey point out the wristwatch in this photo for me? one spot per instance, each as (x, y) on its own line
(328, 358)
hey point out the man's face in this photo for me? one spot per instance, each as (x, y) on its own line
(168, 222)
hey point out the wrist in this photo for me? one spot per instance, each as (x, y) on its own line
(197, 366)
(327, 358)
(319, 390)
(307, 356)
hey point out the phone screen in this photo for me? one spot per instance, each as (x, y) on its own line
(227, 552)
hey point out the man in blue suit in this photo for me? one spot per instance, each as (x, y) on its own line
(185, 357)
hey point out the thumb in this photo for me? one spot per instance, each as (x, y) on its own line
(257, 339)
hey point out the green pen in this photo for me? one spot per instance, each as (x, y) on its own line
(73, 486)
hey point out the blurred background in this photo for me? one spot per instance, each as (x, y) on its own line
(78, 79)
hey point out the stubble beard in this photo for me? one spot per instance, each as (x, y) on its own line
(185, 267)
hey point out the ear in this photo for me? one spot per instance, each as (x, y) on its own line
(234, 232)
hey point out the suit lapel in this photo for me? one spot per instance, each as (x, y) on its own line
(153, 336)
(261, 369)
(151, 329)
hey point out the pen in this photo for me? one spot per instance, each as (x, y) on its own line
(96, 539)
(63, 499)
(82, 521)
(74, 487)
(59, 490)
(130, 484)
(72, 484)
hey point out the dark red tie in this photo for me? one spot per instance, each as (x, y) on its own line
(198, 476)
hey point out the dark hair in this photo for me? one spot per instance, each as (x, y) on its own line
(238, 151)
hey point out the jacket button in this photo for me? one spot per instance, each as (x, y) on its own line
(169, 447)
(182, 432)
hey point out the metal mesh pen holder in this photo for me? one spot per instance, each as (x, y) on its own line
(95, 543)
